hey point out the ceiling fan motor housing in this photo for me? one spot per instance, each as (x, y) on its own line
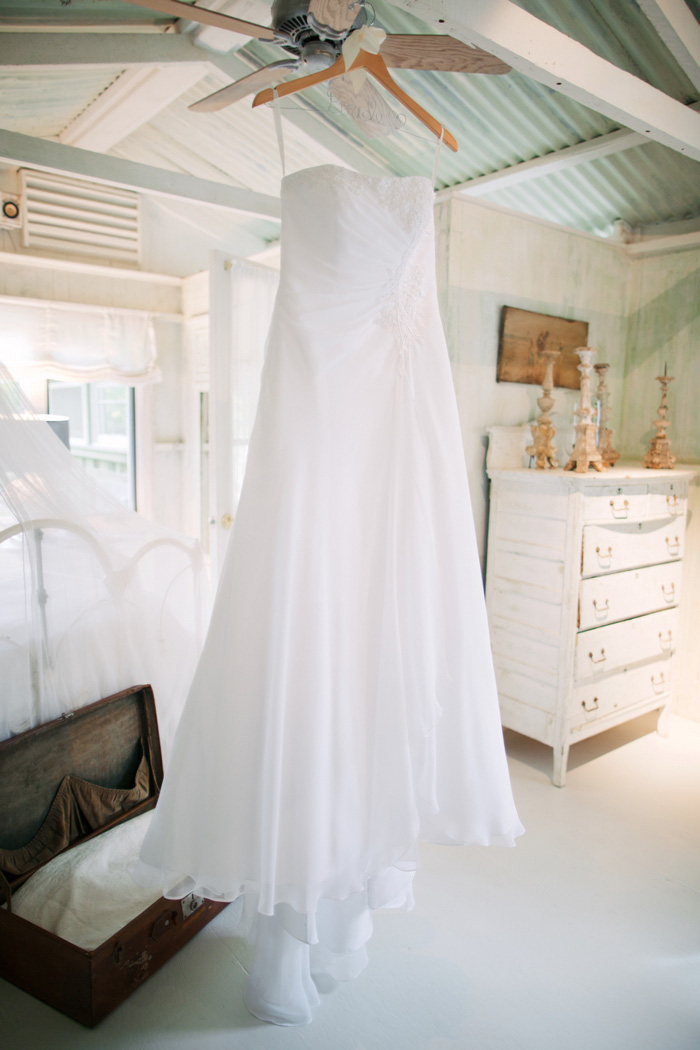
(318, 54)
(291, 19)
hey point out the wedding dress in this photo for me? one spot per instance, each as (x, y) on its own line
(344, 706)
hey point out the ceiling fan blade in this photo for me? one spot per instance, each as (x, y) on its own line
(337, 15)
(261, 78)
(178, 9)
(442, 53)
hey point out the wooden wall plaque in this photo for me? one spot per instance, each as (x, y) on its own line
(524, 334)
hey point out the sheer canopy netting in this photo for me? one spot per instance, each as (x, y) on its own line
(344, 707)
(95, 598)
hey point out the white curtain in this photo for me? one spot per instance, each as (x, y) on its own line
(241, 297)
(93, 597)
(253, 290)
(77, 343)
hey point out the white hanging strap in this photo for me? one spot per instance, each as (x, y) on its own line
(437, 156)
(278, 127)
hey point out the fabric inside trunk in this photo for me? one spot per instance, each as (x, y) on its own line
(79, 807)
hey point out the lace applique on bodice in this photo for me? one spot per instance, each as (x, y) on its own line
(407, 286)
(358, 240)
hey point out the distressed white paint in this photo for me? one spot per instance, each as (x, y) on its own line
(223, 39)
(488, 259)
(676, 25)
(613, 548)
(621, 595)
(25, 150)
(642, 312)
(662, 245)
(554, 702)
(136, 96)
(33, 277)
(554, 59)
(91, 50)
(619, 644)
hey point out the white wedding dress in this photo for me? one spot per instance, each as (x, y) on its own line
(344, 706)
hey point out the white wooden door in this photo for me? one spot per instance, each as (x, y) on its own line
(241, 297)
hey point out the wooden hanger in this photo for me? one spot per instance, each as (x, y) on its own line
(375, 65)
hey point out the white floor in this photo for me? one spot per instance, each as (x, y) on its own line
(584, 937)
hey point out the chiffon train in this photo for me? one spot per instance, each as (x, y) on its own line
(344, 706)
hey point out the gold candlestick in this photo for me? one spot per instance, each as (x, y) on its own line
(584, 453)
(543, 431)
(605, 445)
(659, 455)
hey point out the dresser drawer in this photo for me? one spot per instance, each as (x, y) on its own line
(623, 595)
(614, 503)
(608, 695)
(610, 548)
(619, 645)
(668, 499)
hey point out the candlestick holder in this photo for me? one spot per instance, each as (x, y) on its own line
(605, 446)
(584, 453)
(659, 455)
(543, 430)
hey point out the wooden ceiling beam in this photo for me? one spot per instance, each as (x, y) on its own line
(30, 152)
(27, 51)
(542, 53)
(569, 156)
(676, 25)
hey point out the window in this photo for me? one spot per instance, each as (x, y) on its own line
(101, 417)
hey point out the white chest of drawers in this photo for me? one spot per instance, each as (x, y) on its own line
(583, 586)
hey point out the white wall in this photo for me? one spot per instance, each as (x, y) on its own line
(664, 329)
(177, 236)
(488, 259)
(642, 312)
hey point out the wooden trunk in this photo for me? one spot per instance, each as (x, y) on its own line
(103, 743)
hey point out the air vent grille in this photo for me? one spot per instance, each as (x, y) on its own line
(80, 218)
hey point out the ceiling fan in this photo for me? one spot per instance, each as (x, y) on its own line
(313, 33)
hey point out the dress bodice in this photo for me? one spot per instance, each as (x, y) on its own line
(356, 249)
(337, 211)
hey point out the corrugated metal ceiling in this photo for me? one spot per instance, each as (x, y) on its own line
(43, 103)
(238, 146)
(499, 121)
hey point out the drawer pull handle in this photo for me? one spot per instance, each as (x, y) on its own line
(660, 683)
(669, 594)
(620, 512)
(672, 502)
(602, 658)
(673, 546)
(603, 608)
(666, 643)
(602, 556)
(593, 707)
